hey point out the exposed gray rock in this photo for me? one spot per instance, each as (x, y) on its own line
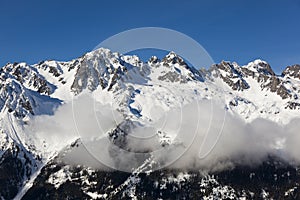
(292, 71)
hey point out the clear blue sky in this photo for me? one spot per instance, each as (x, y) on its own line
(233, 30)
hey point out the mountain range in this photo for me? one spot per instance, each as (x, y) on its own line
(53, 114)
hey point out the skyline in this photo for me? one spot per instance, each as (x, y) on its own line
(236, 31)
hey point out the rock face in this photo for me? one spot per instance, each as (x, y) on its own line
(292, 71)
(232, 75)
(235, 76)
(141, 93)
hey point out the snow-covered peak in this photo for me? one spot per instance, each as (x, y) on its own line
(261, 67)
(153, 60)
(171, 55)
(133, 60)
(100, 52)
(172, 58)
(259, 61)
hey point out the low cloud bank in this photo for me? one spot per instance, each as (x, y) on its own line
(198, 136)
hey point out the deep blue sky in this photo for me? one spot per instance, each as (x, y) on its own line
(233, 30)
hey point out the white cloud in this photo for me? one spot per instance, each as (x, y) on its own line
(227, 142)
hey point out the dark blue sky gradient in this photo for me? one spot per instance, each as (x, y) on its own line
(233, 30)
